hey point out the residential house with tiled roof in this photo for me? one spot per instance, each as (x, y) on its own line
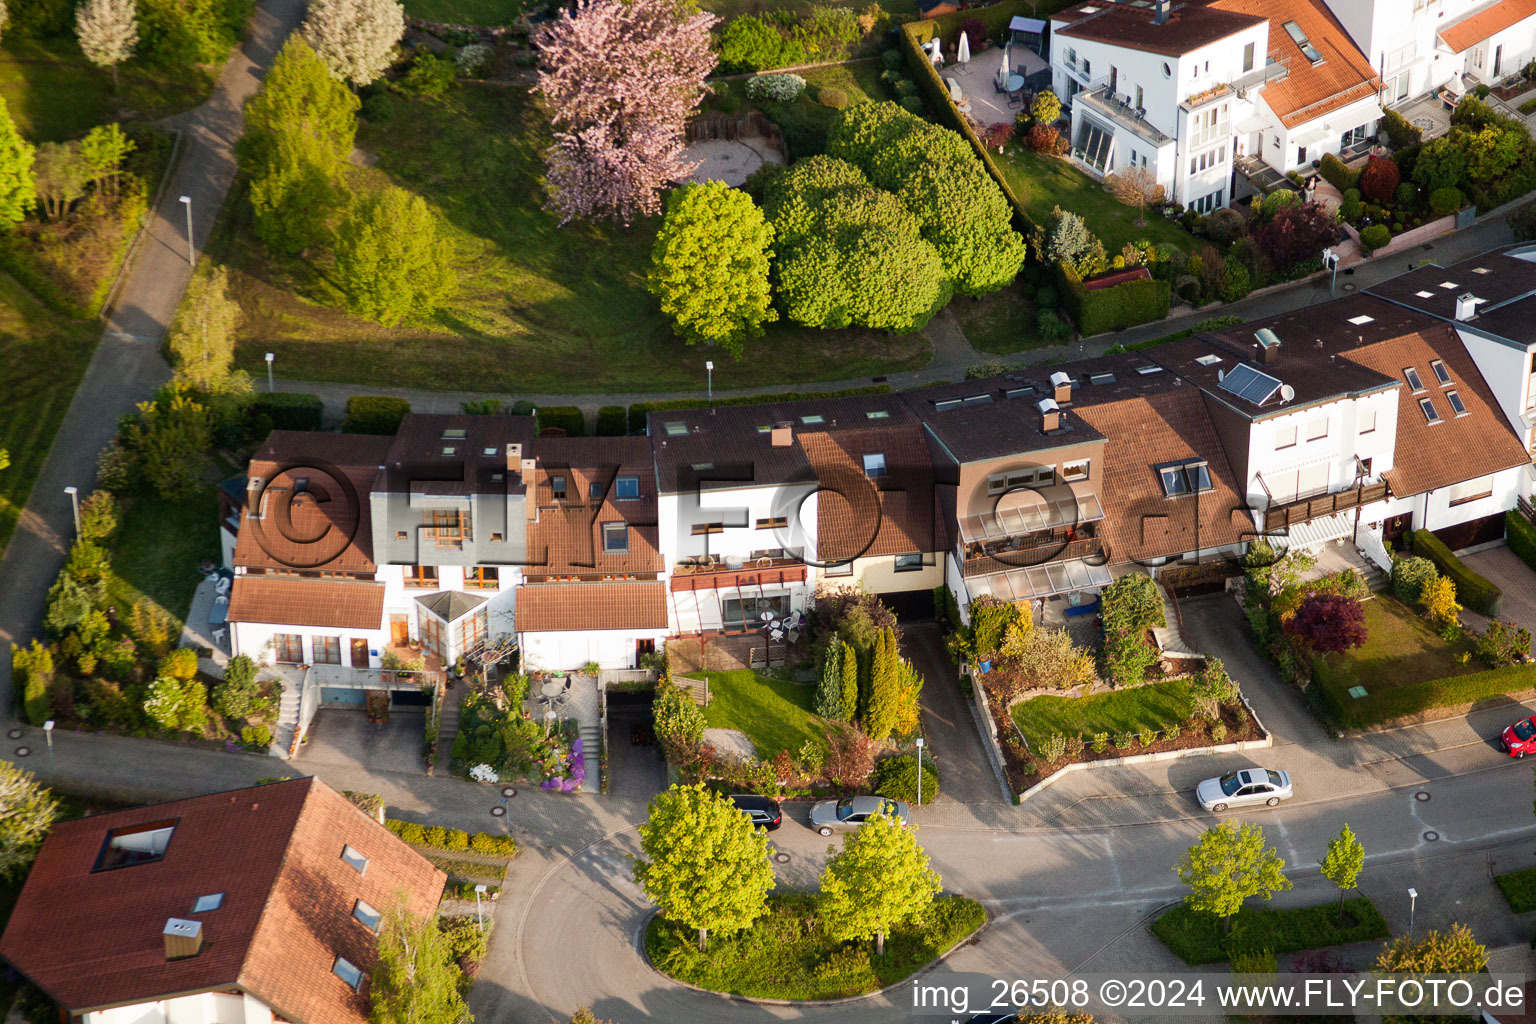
(1183, 89)
(256, 905)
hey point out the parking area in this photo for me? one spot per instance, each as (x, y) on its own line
(965, 774)
(1504, 568)
(347, 739)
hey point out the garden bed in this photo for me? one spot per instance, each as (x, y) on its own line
(786, 956)
(1198, 938)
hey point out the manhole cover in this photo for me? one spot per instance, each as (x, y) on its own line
(782, 858)
(1349, 287)
(1421, 796)
(507, 792)
(498, 812)
(1431, 836)
(23, 751)
(16, 734)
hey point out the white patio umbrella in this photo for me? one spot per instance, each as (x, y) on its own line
(1002, 72)
(963, 53)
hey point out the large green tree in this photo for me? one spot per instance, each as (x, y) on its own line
(202, 336)
(679, 722)
(27, 811)
(414, 979)
(169, 443)
(1229, 864)
(1342, 863)
(32, 675)
(392, 260)
(829, 688)
(707, 866)
(18, 190)
(850, 669)
(299, 132)
(880, 878)
(709, 266)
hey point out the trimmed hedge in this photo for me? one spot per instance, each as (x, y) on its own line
(612, 421)
(641, 411)
(374, 414)
(290, 411)
(1336, 174)
(1412, 698)
(1112, 309)
(1473, 591)
(1519, 889)
(1199, 938)
(1521, 536)
(565, 417)
(452, 840)
(1401, 132)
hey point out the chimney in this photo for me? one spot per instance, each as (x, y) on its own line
(182, 938)
(1161, 17)
(1269, 345)
(1061, 385)
(1466, 306)
(514, 457)
(782, 436)
(1050, 415)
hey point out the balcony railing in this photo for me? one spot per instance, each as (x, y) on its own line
(1113, 106)
(762, 572)
(1278, 517)
(1022, 555)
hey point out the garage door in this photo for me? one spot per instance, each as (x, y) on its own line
(341, 696)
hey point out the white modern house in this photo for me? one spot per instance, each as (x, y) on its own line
(1185, 89)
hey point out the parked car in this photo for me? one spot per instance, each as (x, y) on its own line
(760, 810)
(1245, 787)
(852, 811)
(1520, 738)
(993, 1018)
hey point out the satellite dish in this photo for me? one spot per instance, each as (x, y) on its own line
(1287, 393)
(1221, 375)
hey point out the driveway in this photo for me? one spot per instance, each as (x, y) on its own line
(1514, 577)
(965, 773)
(346, 739)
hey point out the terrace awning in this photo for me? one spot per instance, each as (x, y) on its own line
(1040, 581)
(1021, 24)
(1311, 135)
(1046, 514)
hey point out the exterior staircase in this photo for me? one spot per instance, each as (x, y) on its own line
(1169, 639)
(287, 718)
(448, 726)
(591, 745)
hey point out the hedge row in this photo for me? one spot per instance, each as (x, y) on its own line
(1521, 536)
(290, 411)
(1473, 591)
(1412, 698)
(374, 414)
(640, 411)
(562, 417)
(612, 421)
(1112, 309)
(1336, 174)
(453, 840)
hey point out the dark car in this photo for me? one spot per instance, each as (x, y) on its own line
(760, 811)
(1520, 738)
(993, 1018)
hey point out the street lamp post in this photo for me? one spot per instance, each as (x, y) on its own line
(479, 916)
(48, 734)
(74, 502)
(1331, 261)
(270, 356)
(1413, 897)
(919, 771)
(709, 367)
(191, 252)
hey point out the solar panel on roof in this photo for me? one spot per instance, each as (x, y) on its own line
(1249, 384)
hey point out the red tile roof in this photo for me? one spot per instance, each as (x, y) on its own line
(859, 516)
(1479, 25)
(93, 938)
(307, 602)
(1343, 77)
(559, 607)
(567, 538)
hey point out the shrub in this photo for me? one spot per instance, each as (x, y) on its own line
(1400, 131)
(1225, 226)
(1393, 702)
(776, 88)
(1410, 575)
(1051, 326)
(1042, 138)
(455, 839)
(912, 104)
(833, 99)
(1407, 194)
(289, 410)
(1218, 732)
(1336, 174)
(891, 59)
(562, 417)
(475, 59)
(896, 778)
(179, 664)
(1053, 748)
(1100, 742)
(748, 43)
(1351, 209)
(235, 696)
(378, 108)
(485, 842)
(429, 76)
(1474, 591)
(1112, 309)
(466, 939)
(1046, 297)
(1380, 179)
(1503, 643)
(1046, 107)
(612, 421)
(256, 737)
(374, 414)
(1523, 222)
(1521, 536)
(1125, 741)
(1375, 237)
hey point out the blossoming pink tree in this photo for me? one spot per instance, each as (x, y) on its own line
(619, 79)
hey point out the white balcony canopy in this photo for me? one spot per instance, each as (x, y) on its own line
(1039, 581)
(1045, 514)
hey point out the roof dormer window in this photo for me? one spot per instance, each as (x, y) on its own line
(1414, 380)
(1441, 373)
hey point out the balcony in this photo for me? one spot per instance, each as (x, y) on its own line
(1280, 517)
(1101, 100)
(716, 575)
(1047, 514)
(1034, 549)
(1041, 581)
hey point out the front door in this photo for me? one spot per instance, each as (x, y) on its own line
(359, 653)
(1393, 529)
(1498, 59)
(399, 630)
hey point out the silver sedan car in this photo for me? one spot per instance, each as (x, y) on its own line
(1246, 787)
(853, 811)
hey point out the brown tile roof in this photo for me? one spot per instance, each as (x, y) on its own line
(1191, 25)
(557, 607)
(1479, 25)
(1140, 522)
(1309, 92)
(1505, 279)
(327, 523)
(859, 516)
(306, 602)
(93, 938)
(1457, 448)
(567, 539)
(416, 460)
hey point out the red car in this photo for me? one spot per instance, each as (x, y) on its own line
(1520, 738)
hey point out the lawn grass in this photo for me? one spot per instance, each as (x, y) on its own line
(541, 307)
(1400, 649)
(1198, 938)
(1000, 323)
(1045, 182)
(1154, 706)
(43, 355)
(774, 714)
(785, 956)
(54, 93)
(157, 548)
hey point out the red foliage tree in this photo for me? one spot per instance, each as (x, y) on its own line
(976, 30)
(1298, 232)
(1043, 138)
(996, 136)
(1379, 180)
(1328, 623)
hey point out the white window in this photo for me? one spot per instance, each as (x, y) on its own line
(1414, 381)
(874, 464)
(348, 972)
(1076, 470)
(909, 563)
(616, 538)
(626, 488)
(367, 915)
(1368, 421)
(1427, 407)
(1457, 405)
(1441, 373)
(1317, 429)
(1472, 490)
(1285, 437)
(354, 860)
(213, 901)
